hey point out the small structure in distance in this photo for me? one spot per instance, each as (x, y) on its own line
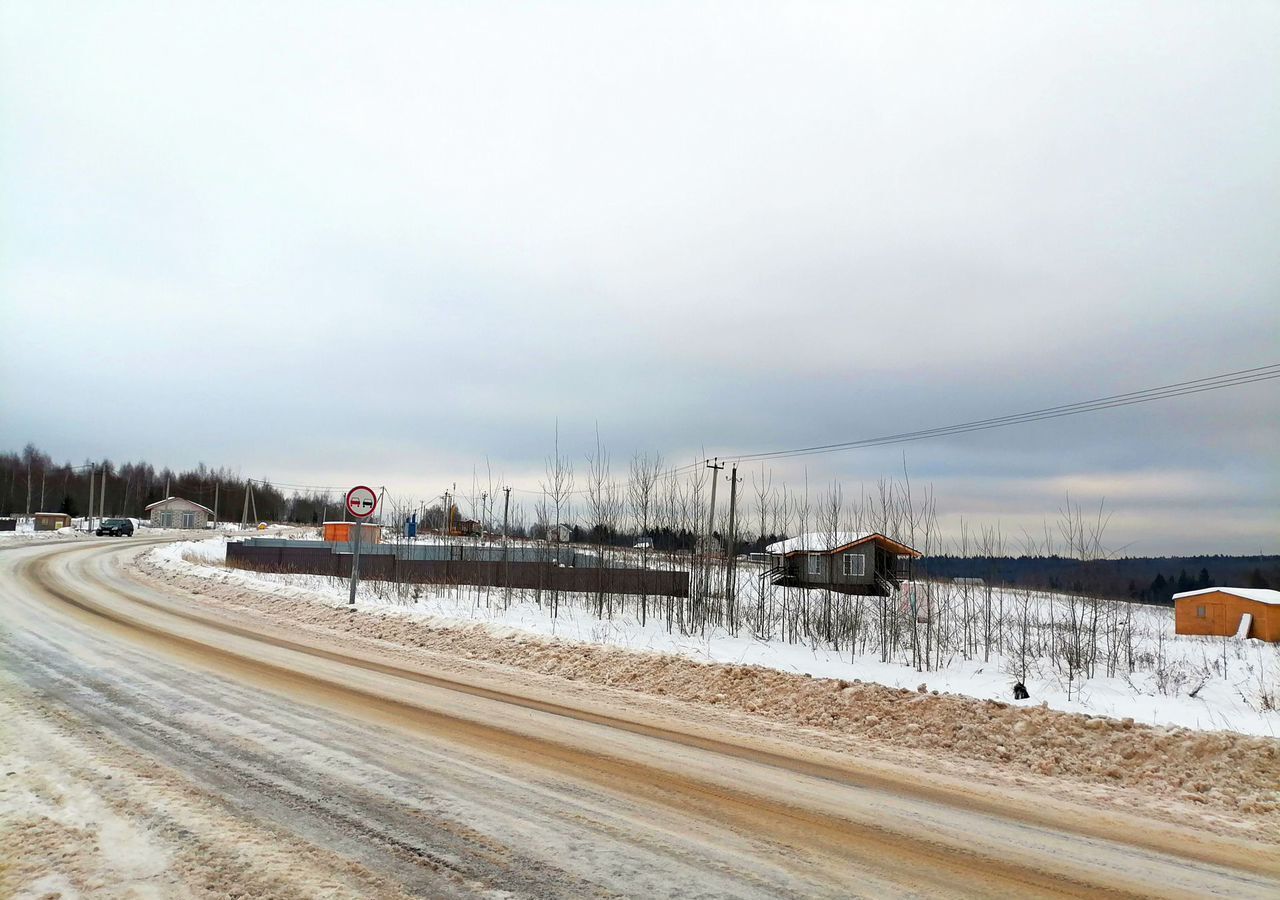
(51, 521)
(1219, 611)
(849, 562)
(344, 532)
(176, 512)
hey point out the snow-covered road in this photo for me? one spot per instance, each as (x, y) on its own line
(154, 744)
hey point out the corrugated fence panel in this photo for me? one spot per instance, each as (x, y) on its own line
(316, 558)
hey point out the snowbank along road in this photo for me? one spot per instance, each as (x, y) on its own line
(155, 744)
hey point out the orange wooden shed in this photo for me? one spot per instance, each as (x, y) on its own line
(1219, 611)
(343, 532)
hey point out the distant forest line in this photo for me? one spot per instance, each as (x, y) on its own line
(1146, 579)
(31, 481)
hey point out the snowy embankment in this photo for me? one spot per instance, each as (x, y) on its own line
(1199, 683)
(25, 533)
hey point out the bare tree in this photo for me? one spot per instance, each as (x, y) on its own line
(557, 491)
(645, 471)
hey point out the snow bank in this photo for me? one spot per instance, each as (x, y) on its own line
(1168, 770)
(1201, 686)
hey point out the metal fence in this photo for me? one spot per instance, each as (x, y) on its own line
(526, 567)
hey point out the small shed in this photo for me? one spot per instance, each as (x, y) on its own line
(345, 532)
(175, 512)
(850, 562)
(1220, 610)
(47, 521)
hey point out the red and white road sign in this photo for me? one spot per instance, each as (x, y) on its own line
(361, 502)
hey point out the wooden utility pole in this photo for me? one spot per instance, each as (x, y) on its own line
(506, 508)
(93, 474)
(215, 504)
(102, 499)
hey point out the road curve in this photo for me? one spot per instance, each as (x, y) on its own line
(445, 787)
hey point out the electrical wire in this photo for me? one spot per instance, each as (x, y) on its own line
(1147, 395)
(1114, 401)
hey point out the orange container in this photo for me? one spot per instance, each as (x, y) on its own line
(342, 532)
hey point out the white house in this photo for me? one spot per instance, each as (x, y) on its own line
(175, 512)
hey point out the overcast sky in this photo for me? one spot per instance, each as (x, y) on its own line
(388, 242)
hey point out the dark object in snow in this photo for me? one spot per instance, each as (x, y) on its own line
(1020, 692)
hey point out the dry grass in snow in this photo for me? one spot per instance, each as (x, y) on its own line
(1225, 776)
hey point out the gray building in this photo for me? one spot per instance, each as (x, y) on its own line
(849, 562)
(174, 512)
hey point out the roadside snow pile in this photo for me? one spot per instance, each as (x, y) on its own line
(1193, 682)
(1228, 774)
(25, 533)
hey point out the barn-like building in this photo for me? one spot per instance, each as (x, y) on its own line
(1221, 610)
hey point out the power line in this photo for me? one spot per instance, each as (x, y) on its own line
(1147, 395)
(1114, 401)
(1181, 389)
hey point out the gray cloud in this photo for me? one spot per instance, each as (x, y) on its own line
(698, 226)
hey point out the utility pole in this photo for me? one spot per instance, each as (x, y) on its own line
(93, 473)
(506, 568)
(729, 584)
(29, 489)
(42, 474)
(711, 519)
(244, 516)
(102, 498)
(506, 508)
(215, 504)
(715, 466)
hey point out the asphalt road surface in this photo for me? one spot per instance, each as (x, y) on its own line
(259, 761)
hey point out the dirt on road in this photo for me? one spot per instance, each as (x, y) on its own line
(170, 743)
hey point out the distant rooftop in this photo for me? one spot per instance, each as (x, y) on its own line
(1258, 595)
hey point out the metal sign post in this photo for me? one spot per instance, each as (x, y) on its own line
(361, 502)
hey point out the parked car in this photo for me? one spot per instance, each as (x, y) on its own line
(115, 528)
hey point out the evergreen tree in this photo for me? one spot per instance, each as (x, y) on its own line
(1159, 590)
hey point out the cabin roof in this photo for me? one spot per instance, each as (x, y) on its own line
(1258, 595)
(828, 543)
(180, 500)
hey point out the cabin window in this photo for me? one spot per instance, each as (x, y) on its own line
(1199, 612)
(815, 564)
(904, 566)
(188, 520)
(855, 564)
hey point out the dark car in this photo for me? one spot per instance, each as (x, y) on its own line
(116, 528)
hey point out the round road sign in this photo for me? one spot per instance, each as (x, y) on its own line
(361, 502)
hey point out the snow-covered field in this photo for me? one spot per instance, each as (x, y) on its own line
(1200, 683)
